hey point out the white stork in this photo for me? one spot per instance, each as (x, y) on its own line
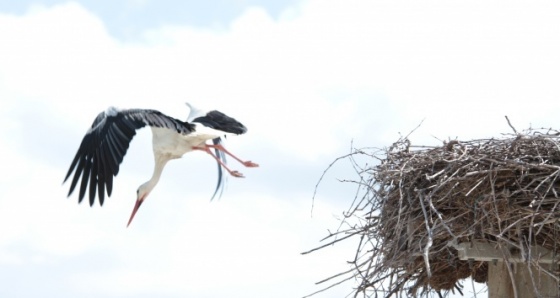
(105, 144)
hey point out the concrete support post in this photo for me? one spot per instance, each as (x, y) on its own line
(500, 285)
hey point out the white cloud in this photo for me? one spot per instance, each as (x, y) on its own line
(258, 74)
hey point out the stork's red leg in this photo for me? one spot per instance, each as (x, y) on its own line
(205, 149)
(247, 163)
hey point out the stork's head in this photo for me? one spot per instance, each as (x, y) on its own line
(141, 194)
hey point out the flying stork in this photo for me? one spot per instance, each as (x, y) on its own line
(105, 144)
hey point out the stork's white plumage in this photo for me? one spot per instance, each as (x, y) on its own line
(106, 142)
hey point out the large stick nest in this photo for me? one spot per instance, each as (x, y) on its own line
(418, 202)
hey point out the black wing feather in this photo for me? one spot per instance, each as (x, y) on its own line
(105, 164)
(85, 178)
(92, 182)
(101, 181)
(112, 161)
(76, 176)
(103, 148)
(221, 178)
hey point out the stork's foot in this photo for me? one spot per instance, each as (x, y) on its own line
(250, 164)
(237, 174)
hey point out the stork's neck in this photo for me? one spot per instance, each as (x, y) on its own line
(158, 169)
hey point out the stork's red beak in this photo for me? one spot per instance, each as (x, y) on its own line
(136, 206)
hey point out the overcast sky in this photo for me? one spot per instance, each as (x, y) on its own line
(306, 77)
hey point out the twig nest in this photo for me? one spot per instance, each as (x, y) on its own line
(418, 201)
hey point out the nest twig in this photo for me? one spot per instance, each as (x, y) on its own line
(418, 200)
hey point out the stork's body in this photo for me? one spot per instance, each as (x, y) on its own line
(105, 144)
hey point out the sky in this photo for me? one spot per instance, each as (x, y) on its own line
(309, 79)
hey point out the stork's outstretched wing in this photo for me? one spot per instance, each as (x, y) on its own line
(105, 144)
(222, 122)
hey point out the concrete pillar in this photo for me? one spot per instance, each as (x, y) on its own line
(500, 285)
